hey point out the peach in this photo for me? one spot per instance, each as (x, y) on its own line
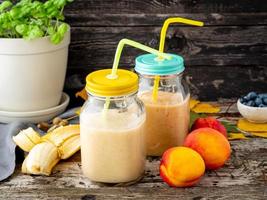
(181, 167)
(209, 122)
(211, 145)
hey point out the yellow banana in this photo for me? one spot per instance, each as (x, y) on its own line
(61, 143)
(41, 159)
(27, 139)
(69, 147)
(62, 134)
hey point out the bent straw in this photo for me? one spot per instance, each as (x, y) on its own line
(120, 46)
(162, 43)
(137, 45)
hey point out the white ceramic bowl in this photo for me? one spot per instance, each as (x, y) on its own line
(35, 116)
(252, 114)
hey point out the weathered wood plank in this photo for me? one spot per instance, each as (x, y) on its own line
(210, 82)
(95, 46)
(229, 193)
(84, 17)
(169, 6)
(205, 82)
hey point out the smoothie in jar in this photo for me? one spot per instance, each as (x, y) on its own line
(112, 128)
(165, 95)
(113, 147)
(167, 121)
(166, 99)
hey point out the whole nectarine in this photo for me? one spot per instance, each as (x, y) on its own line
(211, 145)
(209, 122)
(181, 167)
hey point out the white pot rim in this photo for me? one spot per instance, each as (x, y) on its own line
(20, 46)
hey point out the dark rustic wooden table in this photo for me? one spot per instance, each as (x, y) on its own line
(243, 177)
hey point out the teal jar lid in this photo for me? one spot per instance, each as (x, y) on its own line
(150, 64)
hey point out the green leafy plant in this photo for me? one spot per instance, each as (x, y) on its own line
(30, 19)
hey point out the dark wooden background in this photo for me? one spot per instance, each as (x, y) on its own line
(224, 59)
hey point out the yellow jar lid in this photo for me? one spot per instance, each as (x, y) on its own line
(100, 84)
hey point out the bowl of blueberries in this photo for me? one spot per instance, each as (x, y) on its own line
(253, 107)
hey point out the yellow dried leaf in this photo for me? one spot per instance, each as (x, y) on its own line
(245, 125)
(193, 103)
(205, 108)
(82, 94)
(237, 136)
(259, 134)
(78, 111)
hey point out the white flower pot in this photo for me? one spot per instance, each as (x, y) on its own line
(32, 73)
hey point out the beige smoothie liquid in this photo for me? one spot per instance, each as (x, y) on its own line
(167, 121)
(112, 146)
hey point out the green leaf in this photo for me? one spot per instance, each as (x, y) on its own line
(56, 38)
(60, 3)
(230, 127)
(4, 5)
(48, 4)
(32, 19)
(24, 2)
(22, 29)
(50, 30)
(15, 13)
(34, 32)
(62, 29)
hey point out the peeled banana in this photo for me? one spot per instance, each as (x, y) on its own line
(27, 139)
(41, 159)
(59, 144)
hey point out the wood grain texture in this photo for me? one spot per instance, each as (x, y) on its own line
(169, 6)
(85, 18)
(243, 177)
(115, 193)
(220, 46)
(233, 40)
(205, 82)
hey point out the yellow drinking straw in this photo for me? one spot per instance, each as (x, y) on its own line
(162, 43)
(132, 43)
(120, 46)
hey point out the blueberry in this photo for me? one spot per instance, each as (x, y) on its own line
(245, 103)
(262, 105)
(251, 103)
(263, 95)
(246, 98)
(242, 100)
(252, 95)
(265, 101)
(258, 101)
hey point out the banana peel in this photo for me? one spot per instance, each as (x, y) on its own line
(46, 152)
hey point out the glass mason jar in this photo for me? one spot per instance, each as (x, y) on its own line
(167, 106)
(112, 128)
